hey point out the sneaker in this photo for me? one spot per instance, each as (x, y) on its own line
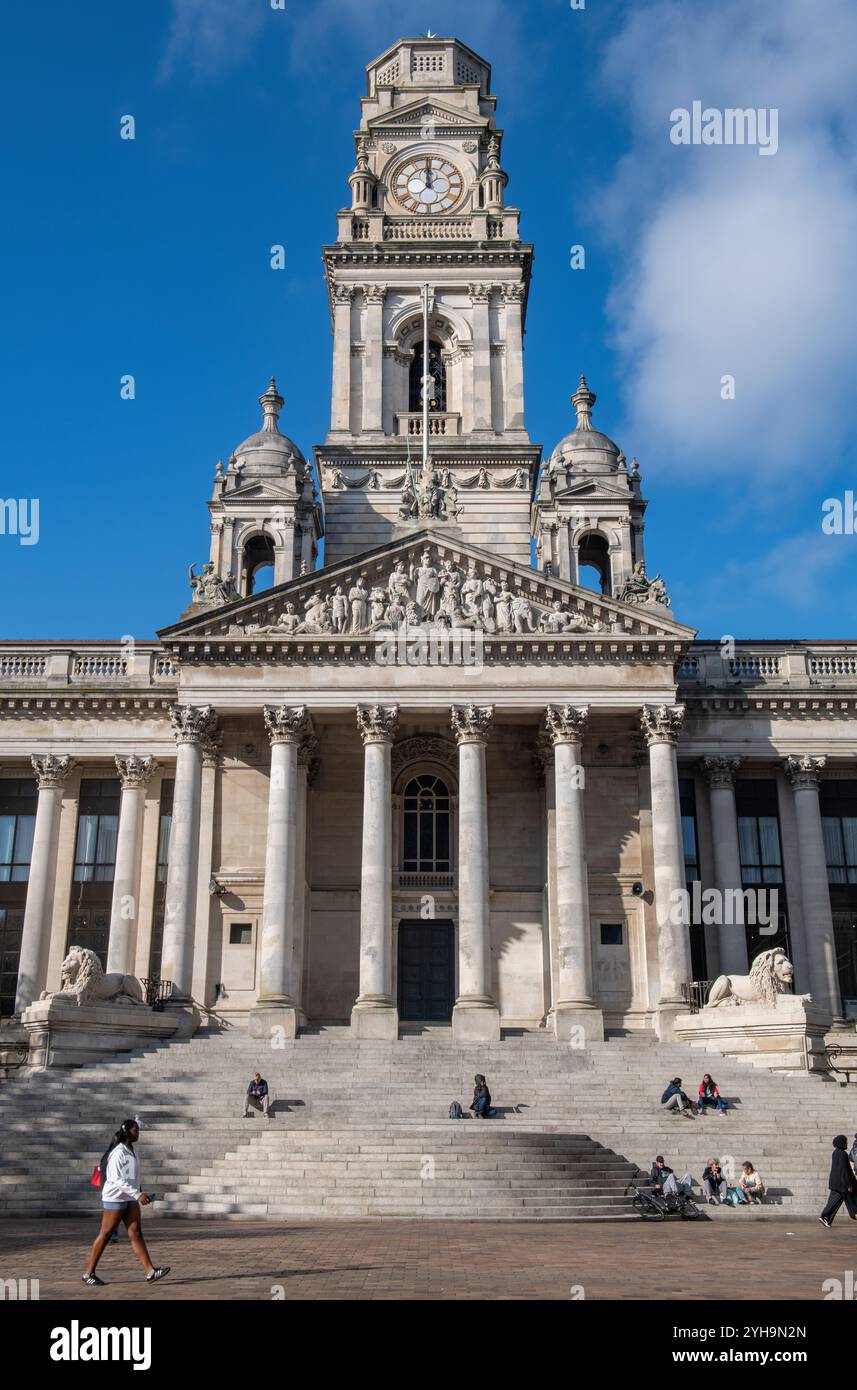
(92, 1280)
(160, 1273)
(824, 1222)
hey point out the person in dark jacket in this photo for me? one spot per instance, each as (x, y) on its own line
(674, 1099)
(665, 1180)
(841, 1183)
(257, 1095)
(714, 1184)
(481, 1104)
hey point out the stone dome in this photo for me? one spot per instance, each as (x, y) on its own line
(586, 450)
(268, 453)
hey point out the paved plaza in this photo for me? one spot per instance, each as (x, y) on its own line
(748, 1257)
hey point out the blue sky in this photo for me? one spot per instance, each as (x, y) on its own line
(151, 257)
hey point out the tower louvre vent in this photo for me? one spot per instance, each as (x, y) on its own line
(428, 62)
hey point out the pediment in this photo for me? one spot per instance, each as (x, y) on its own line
(423, 109)
(428, 581)
(591, 488)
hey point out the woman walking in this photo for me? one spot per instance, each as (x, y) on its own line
(122, 1199)
(841, 1183)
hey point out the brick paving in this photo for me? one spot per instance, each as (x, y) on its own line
(211, 1259)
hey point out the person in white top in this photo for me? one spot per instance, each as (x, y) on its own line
(122, 1198)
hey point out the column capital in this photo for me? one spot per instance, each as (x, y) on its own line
(343, 294)
(566, 723)
(192, 723)
(51, 769)
(375, 294)
(803, 771)
(377, 723)
(719, 771)
(472, 723)
(661, 723)
(134, 771)
(286, 723)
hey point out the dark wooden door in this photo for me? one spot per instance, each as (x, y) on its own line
(426, 971)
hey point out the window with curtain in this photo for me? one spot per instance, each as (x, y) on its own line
(760, 847)
(17, 824)
(426, 837)
(97, 827)
(690, 844)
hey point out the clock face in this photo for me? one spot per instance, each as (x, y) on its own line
(427, 184)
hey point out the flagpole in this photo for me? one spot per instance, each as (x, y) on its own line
(425, 372)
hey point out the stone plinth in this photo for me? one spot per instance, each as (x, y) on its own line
(789, 1037)
(63, 1035)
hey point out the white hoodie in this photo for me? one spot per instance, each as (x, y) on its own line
(122, 1176)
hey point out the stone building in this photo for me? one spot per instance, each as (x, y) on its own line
(463, 770)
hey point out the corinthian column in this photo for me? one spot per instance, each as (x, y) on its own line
(661, 727)
(51, 772)
(814, 888)
(375, 1014)
(719, 773)
(192, 726)
(134, 774)
(276, 1005)
(373, 363)
(575, 1012)
(476, 1017)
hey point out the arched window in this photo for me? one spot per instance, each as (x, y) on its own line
(258, 564)
(593, 563)
(426, 826)
(437, 370)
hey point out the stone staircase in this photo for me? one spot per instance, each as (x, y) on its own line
(360, 1129)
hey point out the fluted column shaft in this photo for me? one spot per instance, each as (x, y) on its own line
(661, 727)
(276, 1006)
(719, 773)
(375, 1014)
(51, 772)
(803, 773)
(475, 1016)
(192, 725)
(575, 1008)
(134, 775)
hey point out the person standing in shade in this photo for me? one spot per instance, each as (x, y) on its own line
(257, 1095)
(122, 1199)
(841, 1182)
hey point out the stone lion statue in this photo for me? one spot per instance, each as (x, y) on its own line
(771, 975)
(84, 982)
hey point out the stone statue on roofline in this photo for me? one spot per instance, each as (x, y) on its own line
(640, 589)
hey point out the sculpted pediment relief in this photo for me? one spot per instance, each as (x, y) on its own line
(427, 582)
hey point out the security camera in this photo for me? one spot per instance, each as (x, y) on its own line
(637, 890)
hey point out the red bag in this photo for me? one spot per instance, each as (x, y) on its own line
(95, 1180)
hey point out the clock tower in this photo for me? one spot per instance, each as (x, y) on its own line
(428, 282)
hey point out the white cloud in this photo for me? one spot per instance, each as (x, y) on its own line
(737, 264)
(211, 35)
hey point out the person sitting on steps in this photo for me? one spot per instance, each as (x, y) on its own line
(714, 1184)
(674, 1099)
(665, 1180)
(751, 1184)
(481, 1104)
(257, 1096)
(709, 1095)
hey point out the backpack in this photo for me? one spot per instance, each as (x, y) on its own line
(455, 1111)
